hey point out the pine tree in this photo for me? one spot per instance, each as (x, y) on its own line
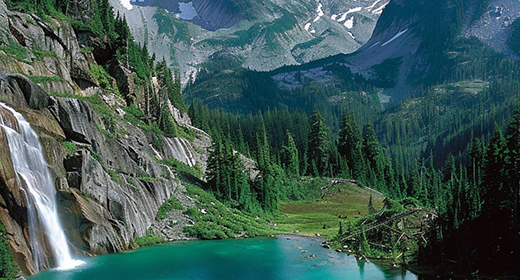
(290, 159)
(373, 152)
(494, 172)
(349, 146)
(318, 143)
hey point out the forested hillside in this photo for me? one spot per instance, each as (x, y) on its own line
(442, 146)
(449, 148)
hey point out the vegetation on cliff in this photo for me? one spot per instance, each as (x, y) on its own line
(8, 268)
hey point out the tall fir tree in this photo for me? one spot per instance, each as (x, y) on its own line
(317, 151)
(350, 145)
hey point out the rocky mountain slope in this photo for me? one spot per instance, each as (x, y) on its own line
(108, 172)
(415, 44)
(263, 35)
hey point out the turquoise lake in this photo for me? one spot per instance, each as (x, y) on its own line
(256, 258)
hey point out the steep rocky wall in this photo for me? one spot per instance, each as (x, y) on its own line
(110, 188)
(56, 58)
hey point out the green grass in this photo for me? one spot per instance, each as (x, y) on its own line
(16, 50)
(309, 217)
(220, 221)
(99, 106)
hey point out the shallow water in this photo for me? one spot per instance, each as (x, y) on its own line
(255, 258)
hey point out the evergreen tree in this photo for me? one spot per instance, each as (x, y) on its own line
(290, 159)
(318, 143)
(350, 145)
(373, 152)
(494, 172)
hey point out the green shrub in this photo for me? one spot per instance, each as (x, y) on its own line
(8, 268)
(70, 147)
(41, 54)
(44, 79)
(220, 221)
(149, 239)
(171, 204)
(182, 168)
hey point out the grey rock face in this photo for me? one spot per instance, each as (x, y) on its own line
(116, 212)
(12, 84)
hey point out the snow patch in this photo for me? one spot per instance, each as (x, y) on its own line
(351, 35)
(126, 4)
(349, 23)
(380, 9)
(353, 10)
(372, 6)
(188, 12)
(333, 17)
(307, 26)
(320, 12)
(395, 37)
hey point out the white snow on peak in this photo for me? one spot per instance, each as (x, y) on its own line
(380, 9)
(126, 4)
(333, 17)
(307, 26)
(320, 12)
(372, 6)
(395, 37)
(353, 10)
(349, 23)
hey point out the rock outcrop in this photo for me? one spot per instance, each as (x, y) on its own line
(110, 184)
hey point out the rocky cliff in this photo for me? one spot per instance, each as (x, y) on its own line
(109, 180)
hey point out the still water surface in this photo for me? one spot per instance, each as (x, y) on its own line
(256, 258)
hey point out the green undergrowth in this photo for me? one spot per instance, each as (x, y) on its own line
(70, 147)
(8, 268)
(171, 204)
(44, 79)
(183, 169)
(395, 242)
(99, 106)
(15, 50)
(214, 220)
(149, 239)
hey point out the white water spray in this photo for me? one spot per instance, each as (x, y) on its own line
(38, 186)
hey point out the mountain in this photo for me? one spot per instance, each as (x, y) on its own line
(415, 44)
(262, 35)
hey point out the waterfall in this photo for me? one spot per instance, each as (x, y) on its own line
(36, 182)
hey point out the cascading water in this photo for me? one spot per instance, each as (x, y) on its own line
(37, 183)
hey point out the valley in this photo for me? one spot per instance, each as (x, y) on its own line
(380, 130)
